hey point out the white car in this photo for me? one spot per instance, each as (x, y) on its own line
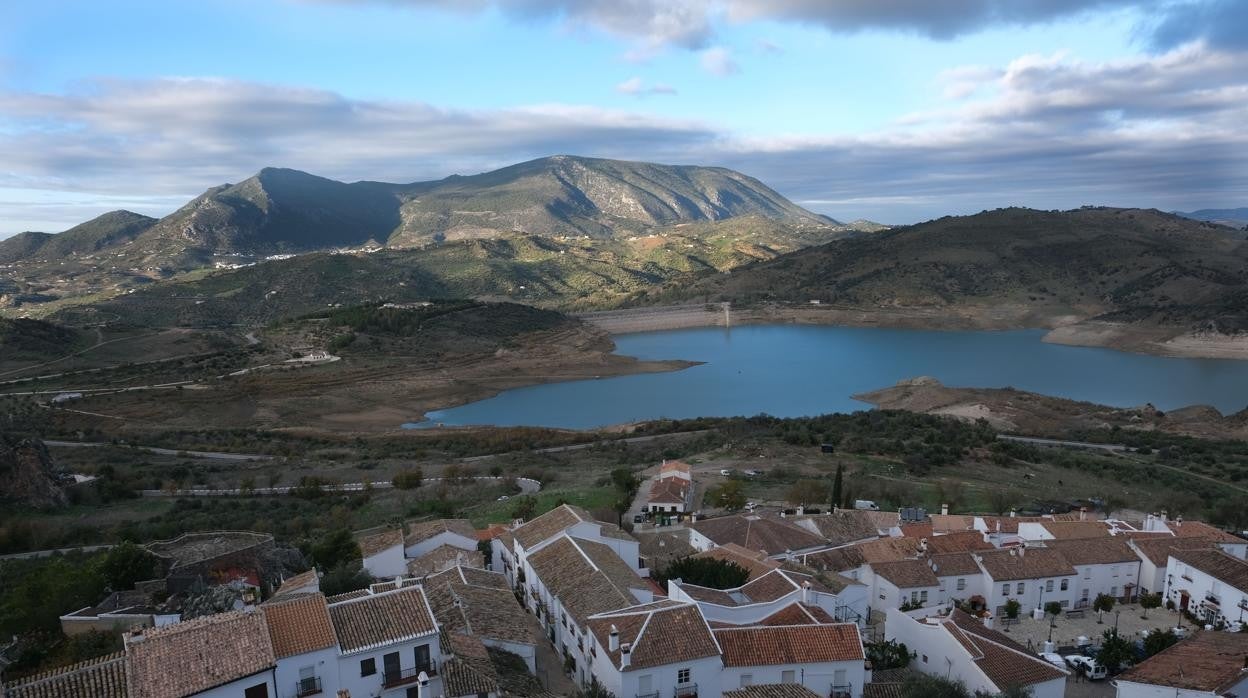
(1055, 659)
(1092, 669)
(725, 472)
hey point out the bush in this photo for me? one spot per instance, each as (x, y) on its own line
(887, 654)
(1012, 607)
(348, 576)
(706, 572)
(408, 479)
(335, 549)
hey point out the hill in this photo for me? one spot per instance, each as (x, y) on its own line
(106, 230)
(23, 340)
(1013, 267)
(1234, 217)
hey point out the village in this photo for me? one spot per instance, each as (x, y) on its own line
(847, 603)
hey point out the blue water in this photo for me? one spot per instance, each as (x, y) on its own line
(794, 370)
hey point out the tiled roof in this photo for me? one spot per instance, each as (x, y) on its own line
(102, 677)
(769, 587)
(1227, 569)
(1207, 661)
(661, 545)
(1094, 551)
(550, 524)
(486, 612)
(954, 564)
(381, 619)
(185, 658)
(441, 558)
(470, 575)
(949, 523)
(958, 542)
(887, 683)
(1158, 549)
(772, 690)
(304, 581)
(840, 527)
(587, 577)
(672, 490)
(798, 614)
(299, 625)
(906, 574)
(883, 519)
(854, 556)
(660, 634)
(491, 532)
(792, 644)
(757, 532)
(375, 543)
(1003, 661)
(1076, 529)
(1031, 563)
(756, 562)
(916, 530)
(826, 582)
(424, 530)
(347, 595)
(1200, 529)
(674, 467)
(1009, 524)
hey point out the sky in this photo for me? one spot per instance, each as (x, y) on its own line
(890, 110)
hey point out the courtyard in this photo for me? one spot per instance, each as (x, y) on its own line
(1066, 630)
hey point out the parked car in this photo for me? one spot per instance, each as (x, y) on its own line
(866, 504)
(1055, 659)
(753, 473)
(1092, 669)
(725, 472)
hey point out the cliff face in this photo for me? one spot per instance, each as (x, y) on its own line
(26, 475)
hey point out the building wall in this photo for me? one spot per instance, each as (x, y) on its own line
(324, 663)
(443, 538)
(1129, 689)
(888, 595)
(235, 689)
(106, 623)
(387, 563)
(704, 673)
(1109, 579)
(1198, 585)
(819, 677)
(349, 668)
(1032, 595)
(1239, 550)
(972, 584)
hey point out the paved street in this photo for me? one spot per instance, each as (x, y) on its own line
(1033, 633)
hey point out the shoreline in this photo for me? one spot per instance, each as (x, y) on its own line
(1064, 329)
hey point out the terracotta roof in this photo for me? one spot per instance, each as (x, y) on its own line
(949, 523)
(347, 595)
(840, 527)
(668, 491)
(772, 690)
(1158, 549)
(382, 619)
(441, 558)
(916, 530)
(469, 672)
(882, 519)
(375, 543)
(954, 565)
(660, 634)
(486, 612)
(102, 677)
(798, 614)
(587, 577)
(906, 574)
(1003, 661)
(1217, 564)
(304, 581)
(491, 532)
(1207, 661)
(756, 562)
(470, 575)
(550, 524)
(424, 530)
(298, 625)
(1094, 551)
(769, 587)
(854, 556)
(185, 658)
(958, 542)
(1200, 529)
(1076, 529)
(1009, 524)
(792, 644)
(758, 532)
(664, 546)
(887, 683)
(674, 467)
(826, 582)
(1031, 563)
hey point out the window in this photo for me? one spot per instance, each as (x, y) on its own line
(923, 597)
(1048, 585)
(1113, 591)
(1065, 584)
(1065, 603)
(925, 659)
(422, 658)
(1113, 570)
(788, 676)
(260, 690)
(682, 676)
(1085, 594)
(1020, 588)
(747, 680)
(368, 667)
(839, 678)
(1087, 572)
(914, 597)
(645, 684)
(1005, 589)
(413, 692)
(961, 584)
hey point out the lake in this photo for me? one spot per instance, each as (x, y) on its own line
(799, 370)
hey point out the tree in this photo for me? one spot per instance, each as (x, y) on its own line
(1103, 604)
(1002, 501)
(707, 572)
(887, 654)
(408, 479)
(1012, 607)
(1054, 609)
(729, 494)
(1011, 692)
(807, 492)
(1158, 640)
(334, 549)
(1115, 651)
(1150, 601)
(838, 487)
(348, 576)
(523, 507)
(126, 564)
(926, 686)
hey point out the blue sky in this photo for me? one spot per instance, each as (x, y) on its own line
(896, 113)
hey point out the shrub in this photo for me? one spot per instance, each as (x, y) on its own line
(408, 479)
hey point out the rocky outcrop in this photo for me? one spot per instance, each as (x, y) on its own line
(27, 476)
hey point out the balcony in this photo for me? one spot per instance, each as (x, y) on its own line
(688, 690)
(648, 695)
(1213, 600)
(308, 687)
(841, 691)
(403, 677)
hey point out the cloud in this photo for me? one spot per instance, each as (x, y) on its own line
(1044, 131)
(1221, 23)
(719, 61)
(636, 86)
(769, 47)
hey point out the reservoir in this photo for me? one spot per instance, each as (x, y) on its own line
(799, 370)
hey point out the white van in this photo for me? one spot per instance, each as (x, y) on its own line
(866, 504)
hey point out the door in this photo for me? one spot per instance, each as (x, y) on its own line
(422, 659)
(390, 667)
(1183, 599)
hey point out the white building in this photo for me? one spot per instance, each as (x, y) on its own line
(1206, 665)
(304, 645)
(771, 592)
(1102, 566)
(387, 641)
(474, 601)
(172, 661)
(961, 648)
(662, 649)
(671, 495)
(910, 583)
(959, 575)
(382, 554)
(423, 537)
(1032, 576)
(532, 536)
(827, 659)
(1211, 584)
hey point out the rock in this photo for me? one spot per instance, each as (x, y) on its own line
(27, 476)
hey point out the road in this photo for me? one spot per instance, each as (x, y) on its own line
(526, 485)
(591, 444)
(1112, 448)
(48, 553)
(214, 455)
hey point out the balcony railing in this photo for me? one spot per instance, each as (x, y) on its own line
(308, 687)
(406, 676)
(841, 691)
(648, 695)
(688, 690)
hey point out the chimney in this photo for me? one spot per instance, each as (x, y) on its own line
(613, 643)
(944, 509)
(806, 591)
(1013, 513)
(922, 545)
(801, 509)
(1022, 550)
(1163, 515)
(1083, 513)
(626, 658)
(1178, 521)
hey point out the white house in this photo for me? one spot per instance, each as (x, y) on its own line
(1032, 576)
(1102, 566)
(224, 655)
(1205, 665)
(959, 576)
(424, 536)
(827, 659)
(770, 593)
(304, 645)
(1229, 543)
(961, 648)
(470, 600)
(671, 495)
(663, 649)
(383, 553)
(910, 583)
(675, 469)
(1211, 584)
(533, 535)
(387, 641)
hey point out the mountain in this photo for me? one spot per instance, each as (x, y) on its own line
(1234, 217)
(1124, 264)
(107, 230)
(21, 246)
